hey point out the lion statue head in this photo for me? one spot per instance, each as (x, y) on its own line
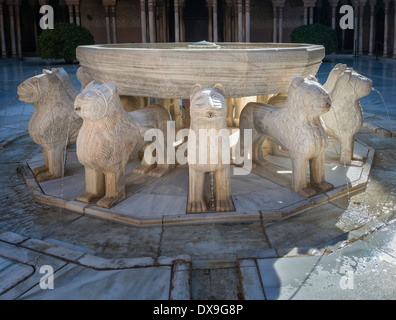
(307, 99)
(97, 101)
(353, 83)
(207, 103)
(47, 85)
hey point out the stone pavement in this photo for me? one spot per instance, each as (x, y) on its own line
(345, 249)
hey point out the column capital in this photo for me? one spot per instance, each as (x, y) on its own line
(334, 3)
(362, 3)
(43, 2)
(309, 3)
(278, 3)
(373, 3)
(106, 2)
(72, 2)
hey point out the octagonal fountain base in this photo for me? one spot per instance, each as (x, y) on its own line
(265, 193)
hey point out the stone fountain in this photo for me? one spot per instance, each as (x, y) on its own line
(169, 70)
(235, 73)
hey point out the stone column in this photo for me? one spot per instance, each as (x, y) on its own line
(143, 20)
(278, 4)
(114, 23)
(280, 23)
(107, 18)
(333, 4)
(275, 9)
(355, 26)
(215, 29)
(77, 9)
(247, 20)
(12, 28)
(2, 35)
(71, 13)
(210, 22)
(305, 14)
(177, 21)
(240, 21)
(18, 28)
(386, 11)
(308, 10)
(235, 21)
(371, 41)
(74, 9)
(394, 35)
(151, 20)
(181, 23)
(361, 11)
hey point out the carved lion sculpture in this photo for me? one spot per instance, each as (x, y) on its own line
(107, 139)
(333, 76)
(54, 124)
(208, 113)
(129, 103)
(298, 128)
(346, 117)
(65, 78)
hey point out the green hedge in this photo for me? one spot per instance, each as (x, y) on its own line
(316, 34)
(62, 41)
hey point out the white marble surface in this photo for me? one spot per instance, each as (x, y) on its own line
(11, 273)
(75, 282)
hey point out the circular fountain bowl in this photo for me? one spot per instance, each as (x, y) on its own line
(170, 70)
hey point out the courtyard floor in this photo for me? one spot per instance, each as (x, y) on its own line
(344, 249)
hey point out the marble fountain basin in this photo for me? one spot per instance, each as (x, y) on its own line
(170, 70)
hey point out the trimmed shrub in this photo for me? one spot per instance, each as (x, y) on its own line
(62, 41)
(316, 34)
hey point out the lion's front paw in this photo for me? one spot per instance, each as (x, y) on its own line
(224, 205)
(357, 163)
(144, 169)
(307, 192)
(160, 171)
(196, 207)
(325, 186)
(37, 171)
(44, 176)
(87, 197)
(108, 202)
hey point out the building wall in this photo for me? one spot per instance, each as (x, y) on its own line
(93, 18)
(128, 23)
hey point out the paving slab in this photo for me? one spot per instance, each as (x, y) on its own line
(357, 271)
(312, 228)
(110, 239)
(212, 242)
(384, 239)
(75, 282)
(12, 273)
(220, 282)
